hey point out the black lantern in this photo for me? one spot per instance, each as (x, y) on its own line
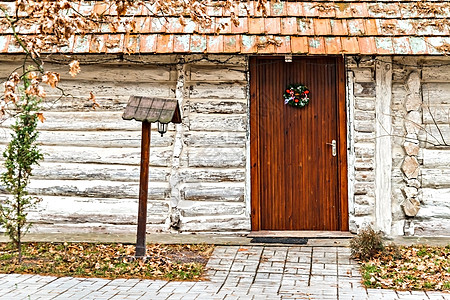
(162, 127)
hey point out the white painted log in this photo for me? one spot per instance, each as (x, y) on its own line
(216, 157)
(222, 91)
(218, 107)
(439, 114)
(436, 178)
(363, 74)
(214, 139)
(226, 123)
(437, 135)
(365, 150)
(95, 228)
(365, 104)
(436, 197)
(196, 209)
(122, 156)
(213, 192)
(105, 210)
(99, 139)
(83, 121)
(76, 171)
(436, 73)
(114, 89)
(216, 224)
(436, 158)
(227, 60)
(113, 72)
(220, 74)
(95, 189)
(435, 94)
(434, 227)
(212, 175)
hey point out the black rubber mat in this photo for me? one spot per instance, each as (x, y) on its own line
(279, 240)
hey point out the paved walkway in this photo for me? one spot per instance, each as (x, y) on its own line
(235, 272)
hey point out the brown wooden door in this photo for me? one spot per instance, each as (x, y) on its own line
(297, 184)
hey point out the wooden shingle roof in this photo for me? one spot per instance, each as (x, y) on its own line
(146, 109)
(297, 27)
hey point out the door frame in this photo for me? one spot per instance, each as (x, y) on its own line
(255, 211)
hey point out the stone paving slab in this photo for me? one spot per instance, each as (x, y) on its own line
(234, 272)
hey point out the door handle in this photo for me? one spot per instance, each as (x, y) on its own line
(333, 145)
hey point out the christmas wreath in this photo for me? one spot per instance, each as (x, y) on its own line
(296, 95)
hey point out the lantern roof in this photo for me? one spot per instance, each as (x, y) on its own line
(147, 109)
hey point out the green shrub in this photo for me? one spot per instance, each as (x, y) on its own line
(366, 244)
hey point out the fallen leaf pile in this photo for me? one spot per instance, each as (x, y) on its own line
(417, 267)
(170, 262)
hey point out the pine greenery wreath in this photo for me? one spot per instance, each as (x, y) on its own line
(296, 95)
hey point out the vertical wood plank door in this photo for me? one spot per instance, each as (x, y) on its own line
(297, 183)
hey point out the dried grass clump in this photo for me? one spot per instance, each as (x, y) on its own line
(366, 244)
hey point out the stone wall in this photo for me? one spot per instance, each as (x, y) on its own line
(419, 136)
(90, 176)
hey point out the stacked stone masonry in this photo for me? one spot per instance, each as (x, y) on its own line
(199, 176)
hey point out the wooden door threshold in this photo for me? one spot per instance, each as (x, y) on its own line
(310, 234)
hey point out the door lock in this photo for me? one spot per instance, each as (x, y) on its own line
(333, 147)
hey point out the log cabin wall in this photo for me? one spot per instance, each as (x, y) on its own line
(199, 179)
(89, 178)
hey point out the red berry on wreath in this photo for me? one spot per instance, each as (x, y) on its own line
(295, 100)
(306, 92)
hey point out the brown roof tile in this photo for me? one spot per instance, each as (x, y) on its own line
(284, 44)
(294, 8)
(310, 9)
(333, 45)
(263, 46)
(359, 10)
(181, 43)
(255, 25)
(384, 45)
(371, 27)
(338, 27)
(350, 45)
(242, 27)
(356, 27)
(148, 43)
(401, 45)
(248, 44)
(316, 45)
(273, 25)
(299, 44)
(215, 44)
(322, 27)
(164, 43)
(305, 26)
(198, 43)
(367, 45)
(232, 43)
(418, 45)
(343, 10)
(278, 8)
(289, 26)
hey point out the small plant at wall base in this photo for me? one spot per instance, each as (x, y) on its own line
(21, 155)
(366, 244)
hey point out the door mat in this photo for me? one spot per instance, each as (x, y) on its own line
(279, 240)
